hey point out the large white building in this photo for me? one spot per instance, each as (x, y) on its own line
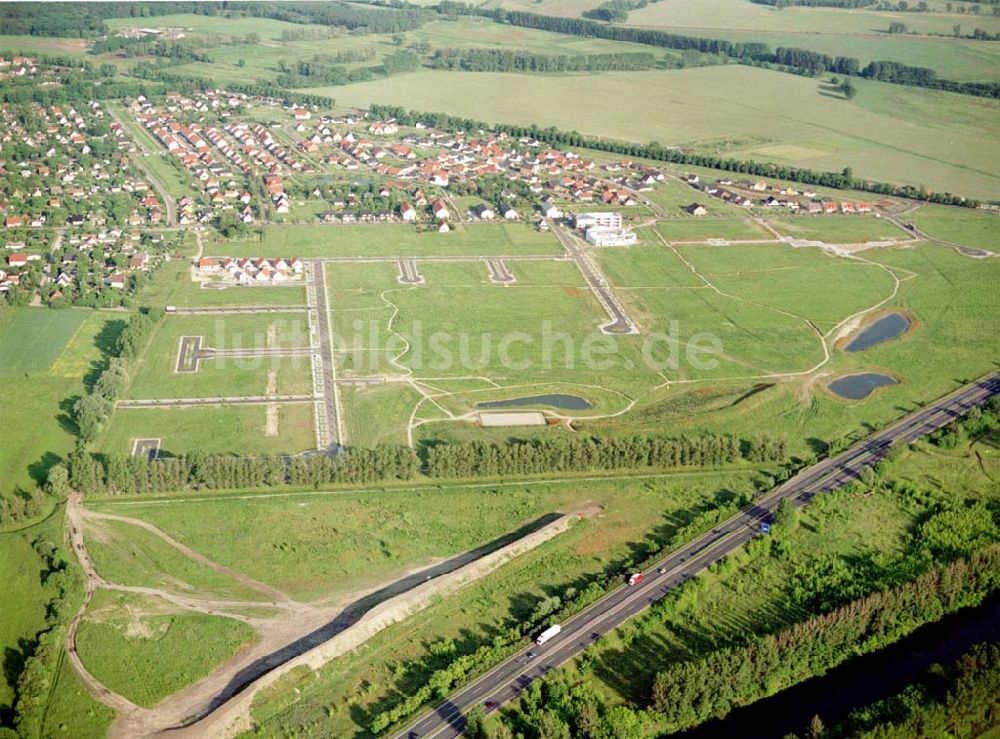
(608, 236)
(606, 220)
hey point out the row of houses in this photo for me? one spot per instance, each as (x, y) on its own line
(788, 198)
(252, 271)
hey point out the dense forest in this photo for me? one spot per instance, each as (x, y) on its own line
(844, 180)
(514, 60)
(961, 699)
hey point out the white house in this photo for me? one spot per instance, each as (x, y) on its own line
(607, 220)
(440, 209)
(408, 212)
(608, 236)
(549, 210)
(483, 212)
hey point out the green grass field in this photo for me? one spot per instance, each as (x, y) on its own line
(635, 512)
(24, 612)
(391, 240)
(222, 375)
(737, 15)
(177, 181)
(45, 355)
(690, 229)
(172, 285)
(196, 24)
(146, 652)
(378, 414)
(221, 430)
(953, 341)
(33, 340)
(839, 229)
(888, 132)
(958, 225)
(129, 555)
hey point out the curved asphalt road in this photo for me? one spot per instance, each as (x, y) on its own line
(505, 681)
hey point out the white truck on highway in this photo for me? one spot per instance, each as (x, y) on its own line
(548, 634)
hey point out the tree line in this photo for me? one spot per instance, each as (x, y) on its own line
(116, 474)
(688, 693)
(516, 60)
(961, 699)
(818, 3)
(581, 453)
(844, 180)
(93, 409)
(44, 656)
(976, 422)
(119, 474)
(743, 52)
(81, 20)
(355, 17)
(254, 88)
(328, 71)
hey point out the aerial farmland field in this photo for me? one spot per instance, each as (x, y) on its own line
(500, 369)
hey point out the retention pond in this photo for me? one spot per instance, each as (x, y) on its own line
(859, 386)
(886, 328)
(564, 402)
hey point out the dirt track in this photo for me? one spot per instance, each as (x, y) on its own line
(301, 634)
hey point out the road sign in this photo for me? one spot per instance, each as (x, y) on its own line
(765, 528)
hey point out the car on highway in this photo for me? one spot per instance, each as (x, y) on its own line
(636, 578)
(490, 705)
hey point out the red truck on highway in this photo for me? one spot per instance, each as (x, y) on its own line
(636, 578)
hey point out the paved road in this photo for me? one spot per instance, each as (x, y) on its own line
(504, 682)
(227, 310)
(620, 322)
(234, 400)
(328, 370)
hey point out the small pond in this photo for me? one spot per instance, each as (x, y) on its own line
(565, 402)
(885, 328)
(859, 386)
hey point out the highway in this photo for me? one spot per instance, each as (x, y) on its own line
(505, 681)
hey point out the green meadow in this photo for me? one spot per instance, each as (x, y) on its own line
(154, 375)
(958, 225)
(952, 340)
(46, 359)
(479, 239)
(636, 514)
(218, 430)
(145, 652)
